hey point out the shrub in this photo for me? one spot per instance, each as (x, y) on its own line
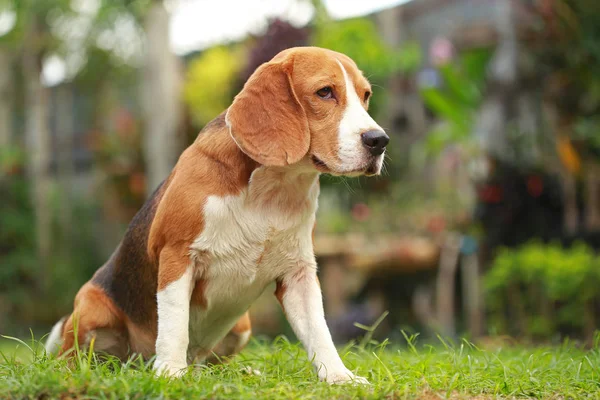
(541, 290)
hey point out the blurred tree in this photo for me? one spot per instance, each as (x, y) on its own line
(559, 59)
(162, 87)
(280, 35)
(69, 32)
(6, 103)
(9, 43)
(571, 60)
(114, 84)
(359, 39)
(19, 275)
(65, 165)
(456, 103)
(37, 42)
(217, 74)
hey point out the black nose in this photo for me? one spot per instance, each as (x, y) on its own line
(375, 141)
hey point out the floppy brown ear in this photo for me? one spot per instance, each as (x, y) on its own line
(266, 119)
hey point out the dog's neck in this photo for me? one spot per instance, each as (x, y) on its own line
(291, 187)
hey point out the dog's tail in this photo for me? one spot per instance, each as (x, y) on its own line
(54, 340)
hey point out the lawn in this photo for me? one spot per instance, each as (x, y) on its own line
(408, 370)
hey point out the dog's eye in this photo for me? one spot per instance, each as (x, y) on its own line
(325, 93)
(367, 95)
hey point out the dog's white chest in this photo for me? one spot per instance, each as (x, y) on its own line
(246, 243)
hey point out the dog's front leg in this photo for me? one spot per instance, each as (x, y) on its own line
(300, 296)
(173, 301)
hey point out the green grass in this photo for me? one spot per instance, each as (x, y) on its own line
(408, 371)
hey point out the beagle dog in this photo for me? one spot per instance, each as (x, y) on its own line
(236, 214)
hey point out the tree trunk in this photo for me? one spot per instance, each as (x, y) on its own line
(592, 196)
(571, 214)
(65, 164)
(5, 98)
(37, 143)
(472, 295)
(161, 92)
(445, 285)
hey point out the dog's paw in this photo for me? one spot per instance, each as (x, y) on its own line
(173, 370)
(343, 378)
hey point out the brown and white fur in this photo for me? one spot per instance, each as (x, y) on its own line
(236, 213)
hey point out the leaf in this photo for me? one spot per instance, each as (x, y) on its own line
(461, 88)
(445, 106)
(474, 64)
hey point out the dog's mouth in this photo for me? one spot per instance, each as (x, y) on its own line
(369, 169)
(372, 169)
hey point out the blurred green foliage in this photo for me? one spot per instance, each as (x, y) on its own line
(210, 82)
(542, 289)
(359, 39)
(569, 60)
(51, 17)
(587, 130)
(457, 101)
(24, 302)
(17, 241)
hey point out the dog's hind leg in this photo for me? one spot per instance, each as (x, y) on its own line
(96, 319)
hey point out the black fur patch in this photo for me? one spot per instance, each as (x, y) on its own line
(129, 277)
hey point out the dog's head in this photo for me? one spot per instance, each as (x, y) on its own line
(308, 106)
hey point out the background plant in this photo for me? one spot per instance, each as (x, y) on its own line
(541, 290)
